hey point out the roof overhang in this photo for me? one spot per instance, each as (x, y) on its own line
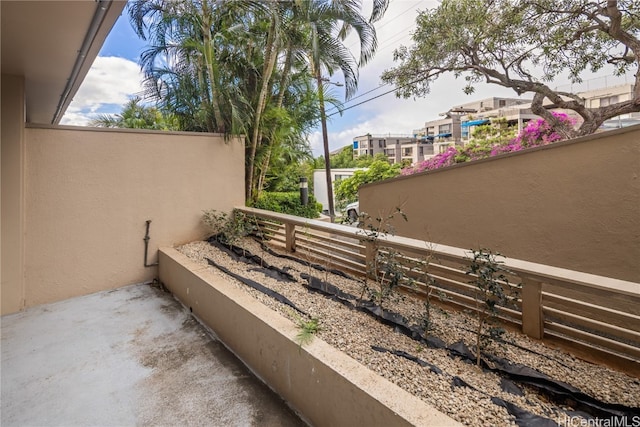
(52, 44)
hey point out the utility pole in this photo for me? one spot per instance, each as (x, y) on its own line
(325, 141)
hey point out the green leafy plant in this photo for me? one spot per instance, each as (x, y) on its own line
(432, 293)
(229, 229)
(492, 289)
(307, 330)
(289, 203)
(379, 169)
(419, 270)
(386, 266)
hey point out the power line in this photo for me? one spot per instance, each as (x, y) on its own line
(359, 96)
(394, 39)
(391, 20)
(369, 91)
(399, 15)
(375, 97)
(394, 18)
(389, 42)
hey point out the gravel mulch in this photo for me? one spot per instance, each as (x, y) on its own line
(354, 333)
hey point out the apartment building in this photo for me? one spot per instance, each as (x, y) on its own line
(456, 126)
(397, 148)
(611, 95)
(518, 112)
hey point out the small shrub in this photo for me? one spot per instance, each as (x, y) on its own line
(492, 290)
(386, 268)
(427, 315)
(228, 228)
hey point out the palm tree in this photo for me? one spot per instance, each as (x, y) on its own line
(136, 116)
(330, 24)
(209, 63)
(188, 62)
(311, 35)
(228, 67)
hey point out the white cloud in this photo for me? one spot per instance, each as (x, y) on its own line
(109, 84)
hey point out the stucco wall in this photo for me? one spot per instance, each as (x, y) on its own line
(574, 204)
(12, 194)
(88, 193)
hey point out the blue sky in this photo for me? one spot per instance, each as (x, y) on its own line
(115, 77)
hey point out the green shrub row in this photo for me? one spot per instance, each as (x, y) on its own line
(288, 203)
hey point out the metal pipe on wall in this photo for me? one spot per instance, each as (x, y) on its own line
(146, 246)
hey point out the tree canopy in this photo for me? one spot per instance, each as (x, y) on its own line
(344, 159)
(137, 116)
(347, 189)
(251, 68)
(525, 45)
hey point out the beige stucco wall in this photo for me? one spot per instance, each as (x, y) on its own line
(12, 193)
(574, 204)
(88, 193)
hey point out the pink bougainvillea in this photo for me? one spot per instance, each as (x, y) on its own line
(535, 133)
(539, 132)
(438, 161)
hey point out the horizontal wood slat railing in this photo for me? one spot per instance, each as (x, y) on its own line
(593, 315)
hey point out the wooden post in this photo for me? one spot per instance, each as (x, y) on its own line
(532, 316)
(370, 255)
(290, 237)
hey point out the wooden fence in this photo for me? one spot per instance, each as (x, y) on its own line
(596, 317)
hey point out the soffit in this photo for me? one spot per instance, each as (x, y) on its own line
(41, 41)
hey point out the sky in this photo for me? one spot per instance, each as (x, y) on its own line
(115, 77)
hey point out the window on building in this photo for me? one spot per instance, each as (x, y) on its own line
(382, 143)
(407, 151)
(609, 100)
(502, 103)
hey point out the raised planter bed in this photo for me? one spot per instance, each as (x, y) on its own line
(323, 385)
(441, 378)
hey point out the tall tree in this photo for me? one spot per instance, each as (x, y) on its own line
(330, 23)
(312, 35)
(245, 67)
(525, 45)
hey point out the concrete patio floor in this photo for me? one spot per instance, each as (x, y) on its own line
(131, 356)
